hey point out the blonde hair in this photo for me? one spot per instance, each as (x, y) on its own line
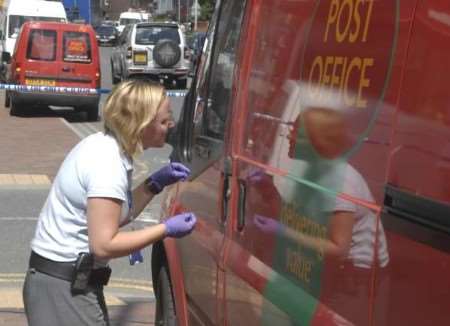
(130, 107)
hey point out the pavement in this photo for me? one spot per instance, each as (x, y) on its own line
(132, 313)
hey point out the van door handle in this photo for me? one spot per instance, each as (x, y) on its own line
(66, 69)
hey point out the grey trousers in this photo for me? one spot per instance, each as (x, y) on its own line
(48, 301)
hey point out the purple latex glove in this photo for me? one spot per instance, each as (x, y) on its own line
(169, 174)
(180, 225)
(267, 225)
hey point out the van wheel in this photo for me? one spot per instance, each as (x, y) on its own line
(182, 83)
(92, 113)
(165, 303)
(7, 100)
(16, 109)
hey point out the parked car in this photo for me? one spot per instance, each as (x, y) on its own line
(318, 137)
(106, 35)
(55, 54)
(151, 50)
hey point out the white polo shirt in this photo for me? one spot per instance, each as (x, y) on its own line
(95, 167)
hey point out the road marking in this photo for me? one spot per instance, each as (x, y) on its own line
(12, 296)
(17, 218)
(24, 179)
(12, 299)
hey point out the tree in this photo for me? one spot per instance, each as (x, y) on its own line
(207, 8)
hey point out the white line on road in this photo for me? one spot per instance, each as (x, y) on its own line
(18, 218)
(78, 133)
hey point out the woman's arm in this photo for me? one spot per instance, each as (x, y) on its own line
(141, 197)
(105, 239)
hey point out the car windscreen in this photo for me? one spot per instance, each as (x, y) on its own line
(16, 22)
(105, 30)
(77, 47)
(41, 45)
(152, 34)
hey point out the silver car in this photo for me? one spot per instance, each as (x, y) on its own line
(152, 50)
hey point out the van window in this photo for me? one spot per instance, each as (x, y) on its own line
(219, 88)
(15, 22)
(42, 45)
(77, 47)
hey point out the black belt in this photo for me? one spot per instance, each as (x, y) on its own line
(65, 270)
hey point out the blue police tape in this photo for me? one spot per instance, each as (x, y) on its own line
(73, 90)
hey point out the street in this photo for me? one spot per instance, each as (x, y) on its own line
(33, 146)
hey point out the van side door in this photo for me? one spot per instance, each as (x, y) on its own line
(307, 240)
(42, 64)
(79, 59)
(204, 136)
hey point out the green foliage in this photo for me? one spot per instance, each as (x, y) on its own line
(207, 8)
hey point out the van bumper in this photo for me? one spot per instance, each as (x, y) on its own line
(56, 99)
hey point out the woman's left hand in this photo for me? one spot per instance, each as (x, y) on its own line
(169, 174)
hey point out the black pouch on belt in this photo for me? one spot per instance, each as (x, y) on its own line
(82, 272)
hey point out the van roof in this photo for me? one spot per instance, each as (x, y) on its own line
(130, 14)
(57, 25)
(37, 8)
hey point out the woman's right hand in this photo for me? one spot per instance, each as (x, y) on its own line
(180, 225)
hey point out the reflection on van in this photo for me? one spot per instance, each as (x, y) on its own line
(317, 134)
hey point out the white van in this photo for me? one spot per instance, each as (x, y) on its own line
(132, 17)
(19, 11)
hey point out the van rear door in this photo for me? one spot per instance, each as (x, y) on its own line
(79, 63)
(42, 66)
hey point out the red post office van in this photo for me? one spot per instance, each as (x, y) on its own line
(55, 54)
(318, 134)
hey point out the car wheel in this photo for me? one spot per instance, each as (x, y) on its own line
(166, 53)
(92, 113)
(182, 83)
(115, 79)
(165, 303)
(16, 108)
(7, 100)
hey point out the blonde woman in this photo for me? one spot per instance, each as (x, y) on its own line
(79, 226)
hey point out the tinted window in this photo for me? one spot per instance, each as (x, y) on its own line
(152, 34)
(77, 47)
(42, 45)
(105, 30)
(220, 84)
(15, 22)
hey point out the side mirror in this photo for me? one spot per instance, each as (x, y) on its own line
(6, 57)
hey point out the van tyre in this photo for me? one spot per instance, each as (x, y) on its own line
(7, 100)
(92, 113)
(16, 108)
(165, 304)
